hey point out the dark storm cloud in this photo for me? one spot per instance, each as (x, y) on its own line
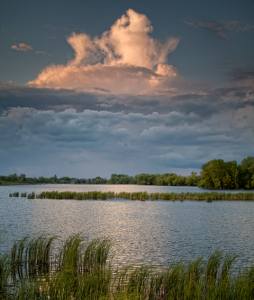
(238, 74)
(44, 99)
(168, 139)
(203, 105)
(59, 100)
(223, 64)
(12, 95)
(222, 29)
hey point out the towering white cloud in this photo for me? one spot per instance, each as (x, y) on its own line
(124, 59)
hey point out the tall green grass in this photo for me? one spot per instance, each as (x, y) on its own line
(31, 196)
(4, 275)
(77, 196)
(82, 270)
(142, 196)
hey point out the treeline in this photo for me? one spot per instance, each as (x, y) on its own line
(142, 179)
(216, 174)
(156, 179)
(22, 179)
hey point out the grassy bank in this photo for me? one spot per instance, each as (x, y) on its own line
(11, 183)
(142, 196)
(82, 270)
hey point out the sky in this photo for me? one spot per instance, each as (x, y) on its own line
(91, 88)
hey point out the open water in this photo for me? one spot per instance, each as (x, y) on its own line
(151, 232)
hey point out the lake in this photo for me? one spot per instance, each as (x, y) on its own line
(152, 232)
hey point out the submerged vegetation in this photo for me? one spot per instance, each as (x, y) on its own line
(215, 174)
(82, 270)
(142, 196)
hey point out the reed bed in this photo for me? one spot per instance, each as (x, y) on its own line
(77, 196)
(142, 196)
(31, 196)
(15, 194)
(82, 270)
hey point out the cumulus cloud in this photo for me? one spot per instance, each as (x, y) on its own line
(21, 47)
(125, 59)
(222, 29)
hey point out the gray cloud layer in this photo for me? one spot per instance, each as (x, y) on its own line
(189, 130)
(90, 134)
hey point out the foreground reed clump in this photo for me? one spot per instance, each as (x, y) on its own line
(142, 196)
(82, 270)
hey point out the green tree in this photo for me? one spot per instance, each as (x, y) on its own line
(179, 180)
(227, 180)
(247, 167)
(193, 179)
(41, 179)
(12, 177)
(212, 174)
(22, 178)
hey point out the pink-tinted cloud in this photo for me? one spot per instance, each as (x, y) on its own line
(24, 47)
(40, 52)
(21, 47)
(124, 59)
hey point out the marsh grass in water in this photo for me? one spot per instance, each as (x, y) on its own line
(142, 196)
(15, 194)
(82, 270)
(31, 196)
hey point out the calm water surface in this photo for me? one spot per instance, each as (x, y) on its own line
(153, 232)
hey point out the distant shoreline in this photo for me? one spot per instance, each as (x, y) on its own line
(115, 184)
(215, 174)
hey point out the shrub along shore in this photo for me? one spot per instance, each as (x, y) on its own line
(82, 270)
(142, 196)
